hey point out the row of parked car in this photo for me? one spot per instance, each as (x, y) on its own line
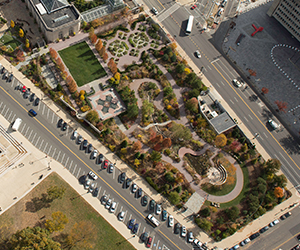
(5, 74)
(261, 231)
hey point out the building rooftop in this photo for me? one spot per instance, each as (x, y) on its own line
(55, 13)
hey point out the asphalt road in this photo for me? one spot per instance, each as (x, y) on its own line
(281, 236)
(253, 114)
(43, 133)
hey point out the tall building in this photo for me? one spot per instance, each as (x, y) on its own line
(56, 18)
(287, 12)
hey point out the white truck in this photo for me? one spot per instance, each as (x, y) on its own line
(16, 124)
(155, 222)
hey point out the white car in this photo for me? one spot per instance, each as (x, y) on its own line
(121, 216)
(113, 207)
(237, 83)
(94, 154)
(245, 241)
(93, 175)
(75, 134)
(183, 231)
(91, 188)
(158, 209)
(87, 184)
(108, 204)
(198, 55)
(133, 188)
(273, 223)
(273, 124)
(171, 221)
(154, 10)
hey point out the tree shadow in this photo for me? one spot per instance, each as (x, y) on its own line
(61, 238)
(290, 145)
(37, 203)
(267, 114)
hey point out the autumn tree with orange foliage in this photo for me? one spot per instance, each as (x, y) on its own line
(152, 134)
(166, 143)
(137, 146)
(53, 53)
(157, 147)
(105, 57)
(71, 84)
(60, 65)
(220, 140)
(278, 192)
(99, 45)
(20, 56)
(102, 52)
(112, 66)
(282, 106)
(265, 90)
(157, 139)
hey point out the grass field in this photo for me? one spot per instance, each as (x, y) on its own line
(25, 213)
(82, 63)
(8, 40)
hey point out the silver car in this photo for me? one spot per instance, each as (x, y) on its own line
(108, 204)
(91, 188)
(87, 184)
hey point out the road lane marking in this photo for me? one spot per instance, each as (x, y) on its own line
(54, 152)
(265, 135)
(100, 178)
(246, 119)
(250, 116)
(3, 108)
(74, 169)
(43, 109)
(37, 141)
(1, 104)
(26, 131)
(9, 115)
(49, 149)
(41, 144)
(34, 137)
(231, 101)
(30, 134)
(285, 241)
(67, 161)
(6, 112)
(62, 159)
(14, 117)
(52, 117)
(235, 99)
(45, 147)
(78, 175)
(48, 113)
(157, 244)
(58, 155)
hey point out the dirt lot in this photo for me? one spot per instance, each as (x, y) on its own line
(15, 10)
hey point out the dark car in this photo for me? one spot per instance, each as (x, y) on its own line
(130, 224)
(164, 215)
(32, 97)
(100, 159)
(122, 177)
(89, 148)
(151, 205)
(37, 101)
(10, 77)
(144, 200)
(254, 236)
(144, 236)
(127, 182)
(95, 192)
(296, 247)
(105, 165)
(298, 237)
(60, 123)
(135, 228)
(32, 112)
(85, 143)
(79, 140)
(149, 242)
(177, 228)
(64, 126)
(264, 229)
(139, 193)
(286, 215)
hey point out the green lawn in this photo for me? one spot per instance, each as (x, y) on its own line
(8, 40)
(29, 211)
(245, 189)
(82, 63)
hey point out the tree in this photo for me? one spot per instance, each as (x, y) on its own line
(265, 90)
(12, 24)
(58, 222)
(155, 156)
(282, 106)
(180, 132)
(92, 116)
(132, 111)
(99, 45)
(27, 44)
(91, 32)
(278, 192)
(235, 146)
(93, 38)
(205, 212)
(124, 144)
(137, 146)
(32, 238)
(220, 140)
(53, 53)
(169, 177)
(192, 105)
(112, 66)
(147, 108)
(280, 180)
(55, 192)
(174, 198)
(273, 166)
(82, 235)
(232, 213)
(180, 68)
(20, 56)
(194, 93)
(105, 57)
(60, 65)
(102, 52)
(166, 143)
(205, 224)
(21, 33)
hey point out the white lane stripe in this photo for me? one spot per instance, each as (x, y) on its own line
(37, 141)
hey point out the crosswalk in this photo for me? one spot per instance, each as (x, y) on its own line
(165, 14)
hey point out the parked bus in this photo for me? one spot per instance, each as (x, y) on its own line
(189, 25)
(16, 124)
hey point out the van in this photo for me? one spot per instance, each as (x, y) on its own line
(32, 112)
(273, 124)
(16, 124)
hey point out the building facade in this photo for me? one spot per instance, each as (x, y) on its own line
(287, 12)
(57, 19)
